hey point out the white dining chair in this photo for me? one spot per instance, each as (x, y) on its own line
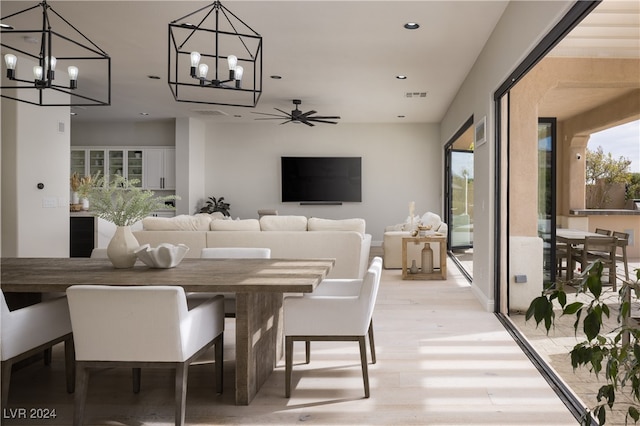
(142, 327)
(229, 253)
(33, 329)
(332, 317)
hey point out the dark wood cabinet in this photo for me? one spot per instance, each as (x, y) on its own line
(82, 236)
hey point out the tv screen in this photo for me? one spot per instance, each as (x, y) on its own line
(321, 179)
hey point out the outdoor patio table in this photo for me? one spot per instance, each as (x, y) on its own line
(572, 237)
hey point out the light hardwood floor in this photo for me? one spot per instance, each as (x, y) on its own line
(442, 360)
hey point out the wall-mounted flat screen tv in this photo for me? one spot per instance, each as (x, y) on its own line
(321, 179)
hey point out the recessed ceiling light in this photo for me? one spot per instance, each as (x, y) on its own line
(144, 113)
(237, 115)
(412, 25)
(6, 27)
(401, 77)
(276, 77)
(74, 113)
(154, 77)
(401, 116)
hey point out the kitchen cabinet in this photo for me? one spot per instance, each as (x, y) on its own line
(153, 168)
(160, 168)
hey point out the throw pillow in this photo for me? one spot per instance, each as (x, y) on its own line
(283, 223)
(235, 225)
(355, 224)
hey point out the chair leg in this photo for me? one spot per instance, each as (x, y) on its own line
(372, 344)
(307, 351)
(626, 265)
(70, 364)
(219, 357)
(363, 361)
(80, 398)
(136, 374)
(6, 379)
(182, 371)
(288, 355)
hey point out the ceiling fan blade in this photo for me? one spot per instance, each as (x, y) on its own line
(285, 122)
(323, 121)
(307, 114)
(284, 112)
(307, 122)
(326, 117)
(269, 114)
(271, 118)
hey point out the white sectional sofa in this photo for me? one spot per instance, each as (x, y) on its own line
(392, 240)
(287, 237)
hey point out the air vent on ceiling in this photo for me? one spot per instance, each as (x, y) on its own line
(415, 95)
(210, 112)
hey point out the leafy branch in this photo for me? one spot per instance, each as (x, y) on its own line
(615, 352)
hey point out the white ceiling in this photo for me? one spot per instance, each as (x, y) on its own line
(338, 57)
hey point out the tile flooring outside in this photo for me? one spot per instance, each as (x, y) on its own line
(555, 347)
(442, 360)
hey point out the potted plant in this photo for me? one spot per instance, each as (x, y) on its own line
(216, 205)
(612, 350)
(120, 201)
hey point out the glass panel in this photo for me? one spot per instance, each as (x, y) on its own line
(78, 162)
(116, 163)
(546, 206)
(96, 162)
(461, 226)
(134, 166)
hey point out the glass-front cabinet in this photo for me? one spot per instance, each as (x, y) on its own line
(151, 167)
(96, 162)
(134, 166)
(78, 162)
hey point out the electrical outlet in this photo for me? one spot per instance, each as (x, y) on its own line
(521, 279)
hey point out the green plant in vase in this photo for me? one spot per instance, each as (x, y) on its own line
(119, 201)
(612, 350)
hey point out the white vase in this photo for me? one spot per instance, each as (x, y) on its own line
(121, 248)
(85, 203)
(75, 199)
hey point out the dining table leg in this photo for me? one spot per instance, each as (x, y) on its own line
(258, 341)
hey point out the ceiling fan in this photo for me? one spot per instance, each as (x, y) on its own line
(297, 116)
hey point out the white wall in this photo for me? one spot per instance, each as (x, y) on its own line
(522, 26)
(35, 222)
(142, 133)
(190, 164)
(400, 163)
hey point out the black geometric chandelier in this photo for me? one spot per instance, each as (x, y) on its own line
(215, 58)
(51, 67)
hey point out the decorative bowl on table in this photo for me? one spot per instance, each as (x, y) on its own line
(164, 256)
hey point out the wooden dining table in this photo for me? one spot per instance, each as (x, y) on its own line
(259, 285)
(572, 238)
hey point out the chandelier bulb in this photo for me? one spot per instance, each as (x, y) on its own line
(53, 63)
(37, 73)
(195, 59)
(239, 72)
(232, 60)
(203, 69)
(11, 61)
(73, 76)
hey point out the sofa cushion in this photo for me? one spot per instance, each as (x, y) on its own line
(235, 225)
(431, 220)
(355, 224)
(283, 223)
(184, 222)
